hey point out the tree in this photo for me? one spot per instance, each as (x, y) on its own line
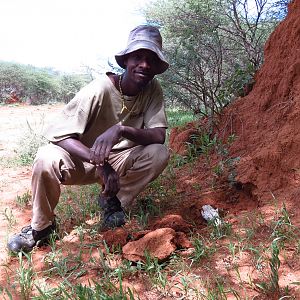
(214, 48)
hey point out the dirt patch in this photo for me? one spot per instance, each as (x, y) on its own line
(18, 119)
(15, 181)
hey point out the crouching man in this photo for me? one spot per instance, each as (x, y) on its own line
(112, 133)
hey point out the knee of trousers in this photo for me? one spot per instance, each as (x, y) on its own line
(158, 154)
(47, 161)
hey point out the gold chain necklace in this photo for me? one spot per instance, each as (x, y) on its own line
(124, 107)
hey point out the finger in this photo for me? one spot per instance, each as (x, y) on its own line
(101, 154)
(99, 171)
(111, 188)
(107, 152)
(92, 155)
(107, 191)
(95, 155)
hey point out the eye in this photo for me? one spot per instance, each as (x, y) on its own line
(155, 59)
(136, 56)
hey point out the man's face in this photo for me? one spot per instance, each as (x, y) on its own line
(142, 66)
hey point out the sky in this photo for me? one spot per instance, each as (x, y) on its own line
(66, 34)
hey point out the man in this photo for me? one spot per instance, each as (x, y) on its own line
(112, 132)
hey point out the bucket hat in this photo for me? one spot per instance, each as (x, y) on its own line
(144, 37)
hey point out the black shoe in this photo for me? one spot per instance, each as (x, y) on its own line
(112, 212)
(28, 238)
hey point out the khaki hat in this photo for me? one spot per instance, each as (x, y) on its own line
(144, 37)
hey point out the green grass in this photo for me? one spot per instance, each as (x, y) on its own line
(179, 117)
(24, 199)
(78, 203)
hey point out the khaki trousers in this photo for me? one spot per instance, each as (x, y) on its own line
(54, 166)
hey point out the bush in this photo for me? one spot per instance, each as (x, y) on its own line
(37, 85)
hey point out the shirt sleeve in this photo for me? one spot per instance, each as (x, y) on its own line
(73, 119)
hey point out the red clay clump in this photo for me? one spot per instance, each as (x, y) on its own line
(158, 243)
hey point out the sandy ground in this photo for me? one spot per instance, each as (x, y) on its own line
(16, 120)
(15, 181)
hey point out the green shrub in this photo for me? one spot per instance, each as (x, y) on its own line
(38, 85)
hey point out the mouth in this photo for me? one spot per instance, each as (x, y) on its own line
(144, 75)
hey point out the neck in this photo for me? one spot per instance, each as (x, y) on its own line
(129, 87)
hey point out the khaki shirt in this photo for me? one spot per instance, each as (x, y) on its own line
(97, 107)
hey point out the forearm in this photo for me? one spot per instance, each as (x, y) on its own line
(101, 148)
(144, 136)
(75, 148)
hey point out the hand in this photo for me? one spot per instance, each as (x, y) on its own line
(110, 180)
(103, 144)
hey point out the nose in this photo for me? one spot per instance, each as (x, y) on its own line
(145, 63)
